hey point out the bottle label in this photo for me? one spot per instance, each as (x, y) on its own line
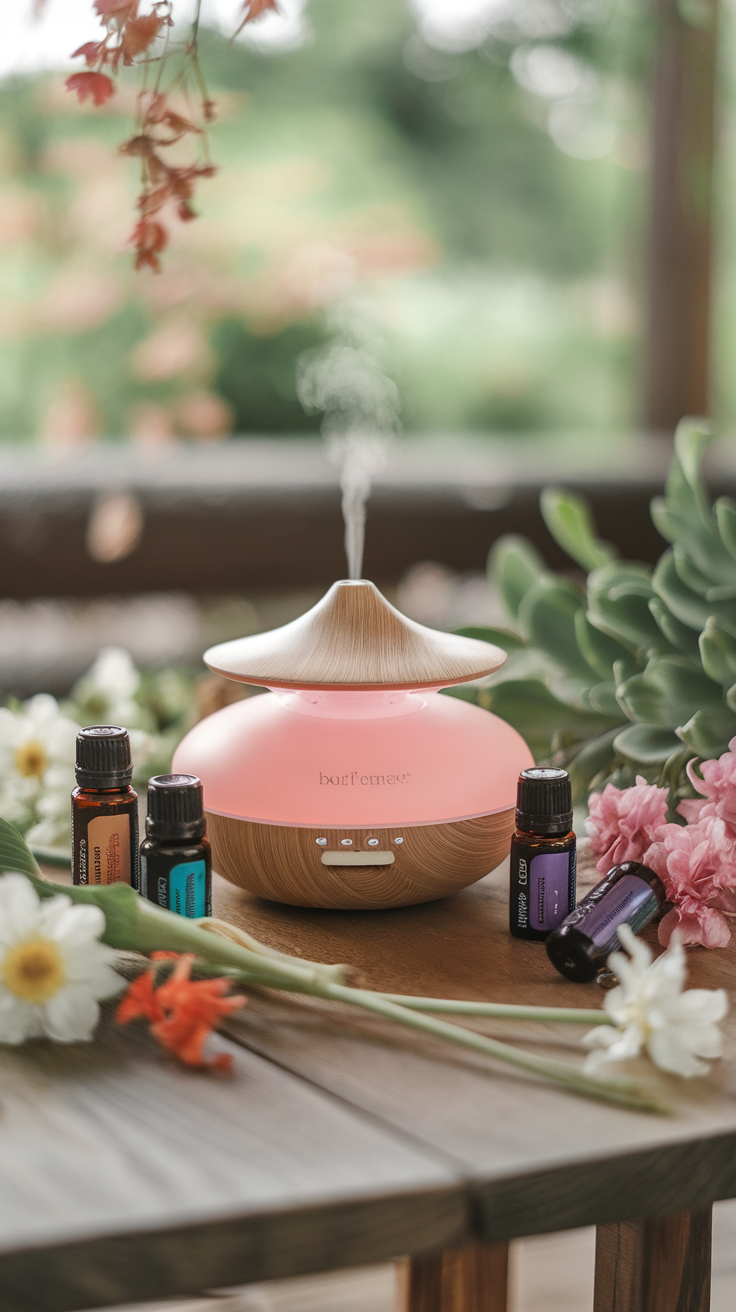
(549, 888)
(631, 901)
(187, 891)
(108, 850)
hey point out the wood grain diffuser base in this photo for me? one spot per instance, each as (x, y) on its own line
(353, 783)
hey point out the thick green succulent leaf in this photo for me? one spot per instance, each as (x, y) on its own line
(669, 692)
(725, 514)
(602, 697)
(514, 566)
(595, 758)
(547, 614)
(618, 604)
(691, 576)
(540, 717)
(679, 635)
(709, 732)
(718, 652)
(687, 606)
(569, 521)
(599, 649)
(731, 697)
(646, 744)
(683, 515)
(502, 638)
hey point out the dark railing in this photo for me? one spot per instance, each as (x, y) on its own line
(255, 515)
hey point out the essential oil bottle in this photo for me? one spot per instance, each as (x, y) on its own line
(543, 854)
(104, 809)
(176, 864)
(631, 894)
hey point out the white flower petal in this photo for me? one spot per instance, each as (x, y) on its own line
(19, 908)
(19, 1020)
(667, 1051)
(71, 1015)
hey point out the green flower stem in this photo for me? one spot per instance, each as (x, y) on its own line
(133, 923)
(500, 1010)
(623, 1092)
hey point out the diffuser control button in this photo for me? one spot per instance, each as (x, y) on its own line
(372, 842)
(322, 842)
(398, 840)
(346, 842)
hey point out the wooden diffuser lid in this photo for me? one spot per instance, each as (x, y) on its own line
(354, 639)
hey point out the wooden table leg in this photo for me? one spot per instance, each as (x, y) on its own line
(659, 1265)
(473, 1278)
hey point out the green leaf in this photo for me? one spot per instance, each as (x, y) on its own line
(618, 604)
(502, 638)
(725, 514)
(603, 698)
(599, 649)
(681, 637)
(593, 759)
(685, 605)
(547, 614)
(646, 744)
(15, 854)
(540, 717)
(514, 566)
(718, 652)
(669, 692)
(709, 732)
(569, 521)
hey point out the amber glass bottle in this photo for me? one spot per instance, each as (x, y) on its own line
(543, 854)
(104, 809)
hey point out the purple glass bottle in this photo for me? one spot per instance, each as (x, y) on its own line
(543, 854)
(630, 894)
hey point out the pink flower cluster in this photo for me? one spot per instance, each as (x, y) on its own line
(696, 861)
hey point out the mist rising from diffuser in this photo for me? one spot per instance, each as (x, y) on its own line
(360, 403)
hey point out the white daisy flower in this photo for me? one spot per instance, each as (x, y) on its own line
(52, 966)
(650, 1010)
(107, 691)
(37, 752)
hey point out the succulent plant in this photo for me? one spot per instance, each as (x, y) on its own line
(634, 673)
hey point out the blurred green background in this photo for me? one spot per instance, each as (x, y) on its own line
(491, 200)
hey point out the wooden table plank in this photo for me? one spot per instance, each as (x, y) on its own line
(123, 1177)
(537, 1158)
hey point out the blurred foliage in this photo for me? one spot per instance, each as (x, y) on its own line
(635, 672)
(504, 266)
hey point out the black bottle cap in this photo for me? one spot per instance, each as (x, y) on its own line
(544, 801)
(175, 807)
(103, 757)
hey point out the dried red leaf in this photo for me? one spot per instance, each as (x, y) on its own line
(91, 50)
(149, 239)
(122, 10)
(185, 211)
(138, 34)
(95, 85)
(254, 8)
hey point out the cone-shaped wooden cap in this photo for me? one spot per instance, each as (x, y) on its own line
(354, 639)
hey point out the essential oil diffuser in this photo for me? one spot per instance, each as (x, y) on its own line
(353, 783)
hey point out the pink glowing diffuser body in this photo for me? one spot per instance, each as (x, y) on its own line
(353, 783)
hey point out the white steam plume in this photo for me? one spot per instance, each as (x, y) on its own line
(346, 381)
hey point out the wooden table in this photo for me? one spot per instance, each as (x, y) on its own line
(342, 1140)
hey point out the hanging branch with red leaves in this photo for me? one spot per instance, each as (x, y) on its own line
(144, 40)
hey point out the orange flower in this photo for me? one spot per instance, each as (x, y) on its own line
(182, 1012)
(96, 85)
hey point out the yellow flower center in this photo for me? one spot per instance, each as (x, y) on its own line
(31, 759)
(34, 970)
